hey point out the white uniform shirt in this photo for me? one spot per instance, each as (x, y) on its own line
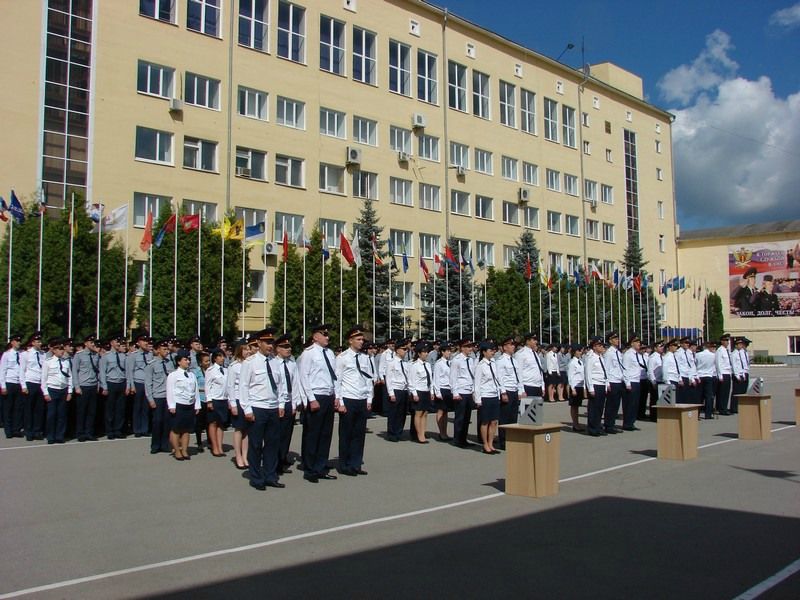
(354, 379)
(441, 376)
(669, 367)
(9, 367)
(706, 363)
(316, 377)
(232, 382)
(216, 382)
(594, 371)
(384, 358)
(552, 362)
(462, 374)
(739, 368)
(182, 388)
(486, 383)
(723, 361)
(745, 359)
(530, 368)
(420, 377)
(683, 363)
(575, 373)
(612, 360)
(256, 387)
(30, 366)
(295, 394)
(56, 374)
(631, 367)
(654, 368)
(507, 371)
(397, 375)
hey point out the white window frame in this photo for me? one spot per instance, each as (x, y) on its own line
(400, 139)
(661, 243)
(207, 210)
(484, 253)
(365, 131)
(658, 146)
(141, 276)
(573, 264)
(592, 229)
(255, 26)
(331, 179)
(606, 194)
(587, 147)
(402, 239)
(207, 8)
(250, 216)
(555, 261)
(510, 213)
(609, 233)
(484, 206)
(572, 225)
(660, 208)
(590, 190)
(457, 86)
(530, 173)
(292, 35)
(427, 77)
(609, 155)
(460, 200)
(550, 120)
(527, 104)
(202, 149)
(365, 185)
(428, 146)
(334, 50)
(142, 203)
(428, 245)
(429, 197)
(399, 68)
(257, 284)
(571, 185)
(508, 104)
(159, 80)
(405, 292)
(554, 222)
(163, 145)
(568, 125)
(286, 168)
(510, 168)
(294, 225)
(198, 86)
(332, 123)
(255, 160)
(332, 230)
(400, 191)
(530, 214)
(553, 180)
(365, 63)
(252, 103)
(659, 174)
(159, 8)
(509, 255)
(459, 155)
(290, 113)
(483, 161)
(481, 95)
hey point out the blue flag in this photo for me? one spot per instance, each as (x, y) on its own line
(16, 209)
(405, 259)
(391, 255)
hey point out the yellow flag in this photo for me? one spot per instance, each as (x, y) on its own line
(236, 231)
(224, 230)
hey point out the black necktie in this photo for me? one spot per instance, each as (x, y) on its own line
(358, 366)
(288, 377)
(403, 369)
(538, 364)
(94, 366)
(38, 360)
(491, 370)
(163, 366)
(427, 375)
(513, 366)
(271, 378)
(17, 358)
(186, 374)
(371, 366)
(328, 363)
(466, 362)
(222, 370)
(61, 368)
(119, 364)
(677, 365)
(600, 358)
(639, 360)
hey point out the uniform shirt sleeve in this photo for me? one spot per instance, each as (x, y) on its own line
(130, 366)
(244, 387)
(171, 389)
(45, 375)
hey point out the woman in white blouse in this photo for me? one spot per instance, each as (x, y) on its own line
(216, 401)
(420, 382)
(238, 421)
(183, 401)
(487, 396)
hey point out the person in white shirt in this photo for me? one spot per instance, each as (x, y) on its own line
(724, 366)
(462, 383)
(217, 411)
(382, 364)
(530, 366)
(632, 363)
(707, 371)
(240, 353)
(397, 384)
(420, 382)
(654, 376)
(551, 362)
(441, 389)
(596, 383)
(508, 372)
(294, 399)
(612, 360)
(487, 396)
(684, 365)
(741, 366)
(354, 392)
(57, 388)
(576, 384)
(669, 366)
(11, 388)
(183, 402)
(31, 386)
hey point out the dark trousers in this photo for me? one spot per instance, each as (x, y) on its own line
(723, 393)
(652, 392)
(708, 387)
(509, 412)
(531, 391)
(34, 411)
(462, 419)
(264, 437)
(377, 400)
(644, 393)
(87, 405)
(160, 437)
(685, 392)
(613, 400)
(56, 415)
(141, 411)
(396, 418)
(739, 387)
(13, 409)
(385, 403)
(287, 428)
(596, 405)
(630, 406)
(317, 435)
(352, 431)
(115, 408)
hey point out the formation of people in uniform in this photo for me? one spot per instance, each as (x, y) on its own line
(169, 391)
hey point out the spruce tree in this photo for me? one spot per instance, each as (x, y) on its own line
(714, 318)
(368, 228)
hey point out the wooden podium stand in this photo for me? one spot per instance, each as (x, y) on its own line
(797, 406)
(677, 431)
(532, 459)
(755, 417)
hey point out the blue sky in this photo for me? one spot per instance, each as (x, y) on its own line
(729, 71)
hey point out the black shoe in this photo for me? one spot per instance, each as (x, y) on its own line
(30, 439)
(611, 430)
(51, 442)
(632, 428)
(602, 433)
(138, 435)
(392, 438)
(258, 486)
(61, 442)
(326, 476)
(360, 472)
(200, 450)
(110, 436)
(311, 478)
(40, 437)
(121, 437)
(283, 471)
(276, 484)
(618, 428)
(81, 438)
(348, 472)
(154, 450)
(594, 433)
(94, 439)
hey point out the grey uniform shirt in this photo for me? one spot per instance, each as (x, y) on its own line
(135, 364)
(112, 368)
(155, 378)
(85, 368)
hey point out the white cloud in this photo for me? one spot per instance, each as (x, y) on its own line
(787, 18)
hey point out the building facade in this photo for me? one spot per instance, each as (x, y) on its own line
(290, 111)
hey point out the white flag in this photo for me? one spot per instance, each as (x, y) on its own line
(356, 246)
(116, 220)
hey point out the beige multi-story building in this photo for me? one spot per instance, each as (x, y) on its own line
(283, 111)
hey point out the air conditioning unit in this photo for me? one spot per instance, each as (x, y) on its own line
(353, 156)
(271, 248)
(418, 121)
(175, 105)
(460, 171)
(242, 172)
(593, 202)
(403, 156)
(524, 195)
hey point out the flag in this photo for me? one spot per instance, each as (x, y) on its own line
(345, 249)
(168, 226)
(391, 255)
(255, 234)
(466, 260)
(528, 271)
(577, 276)
(326, 254)
(285, 245)
(116, 220)
(16, 209)
(448, 257)
(424, 268)
(438, 265)
(147, 238)
(224, 229)
(95, 211)
(302, 240)
(3, 209)
(356, 246)
(39, 205)
(236, 231)
(541, 273)
(615, 279)
(377, 258)
(405, 258)
(190, 222)
(637, 283)
(596, 272)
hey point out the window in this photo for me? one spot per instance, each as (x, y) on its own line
(660, 206)
(331, 45)
(144, 203)
(483, 207)
(510, 213)
(153, 145)
(590, 190)
(572, 225)
(251, 163)
(208, 210)
(155, 80)
(484, 252)
(530, 173)
(592, 229)
(202, 91)
(608, 126)
(508, 104)
(292, 32)
(163, 10)
(531, 214)
(459, 203)
(658, 146)
(459, 155)
(659, 174)
(250, 216)
(794, 344)
(291, 113)
(570, 184)
(331, 122)
(199, 154)
(569, 126)
(331, 179)
(257, 286)
(428, 147)
(365, 185)
(553, 221)
(607, 194)
(587, 147)
(585, 119)
(509, 254)
(553, 180)
(141, 276)
(661, 246)
(289, 171)
(457, 86)
(554, 261)
(332, 231)
(365, 131)
(428, 245)
(510, 168)
(399, 68)
(595, 102)
(608, 268)
(609, 157)
(427, 81)
(403, 241)
(252, 103)
(400, 191)
(364, 56)
(550, 120)
(573, 263)
(483, 161)
(294, 226)
(400, 139)
(254, 24)
(608, 232)
(204, 16)
(429, 196)
(528, 111)
(481, 95)
(402, 295)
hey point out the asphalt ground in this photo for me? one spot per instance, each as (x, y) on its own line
(108, 520)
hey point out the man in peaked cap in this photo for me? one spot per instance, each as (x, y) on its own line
(354, 393)
(745, 297)
(30, 371)
(10, 384)
(294, 398)
(531, 368)
(85, 370)
(612, 361)
(135, 364)
(155, 386)
(113, 381)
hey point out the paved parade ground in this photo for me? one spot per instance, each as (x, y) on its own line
(108, 520)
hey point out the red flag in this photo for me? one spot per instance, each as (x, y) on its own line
(378, 260)
(448, 256)
(637, 283)
(346, 250)
(147, 238)
(528, 271)
(190, 222)
(437, 262)
(424, 269)
(285, 246)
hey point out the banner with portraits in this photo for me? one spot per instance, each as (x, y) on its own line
(764, 279)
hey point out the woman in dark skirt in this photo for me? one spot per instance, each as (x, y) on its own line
(487, 396)
(441, 389)
(183, 401)
(216, 402)
(576, 385)
(238, 420)
(420, 383)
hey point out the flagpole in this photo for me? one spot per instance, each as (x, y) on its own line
(125, 262)
(569, 317)
(285, 265)
(71, 259)
(322, 257)
(99, 251)
(175, 283)
(446, 299)
(594, 289)
(540, 309)
(560, 318)
(419, 287)
(530, 309)
(264, 258)
(10, 268)
(472, 280)
(434, 275)
(627, 323)
(39, 286)
(460, 302)
(305, 251)
(199, 266)
(244, 288)
(404, 291)
(150, 287)
(374, 325)
(486, 306)
(221, 281)
(611, 300)
(577, 281)
(341, 296)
